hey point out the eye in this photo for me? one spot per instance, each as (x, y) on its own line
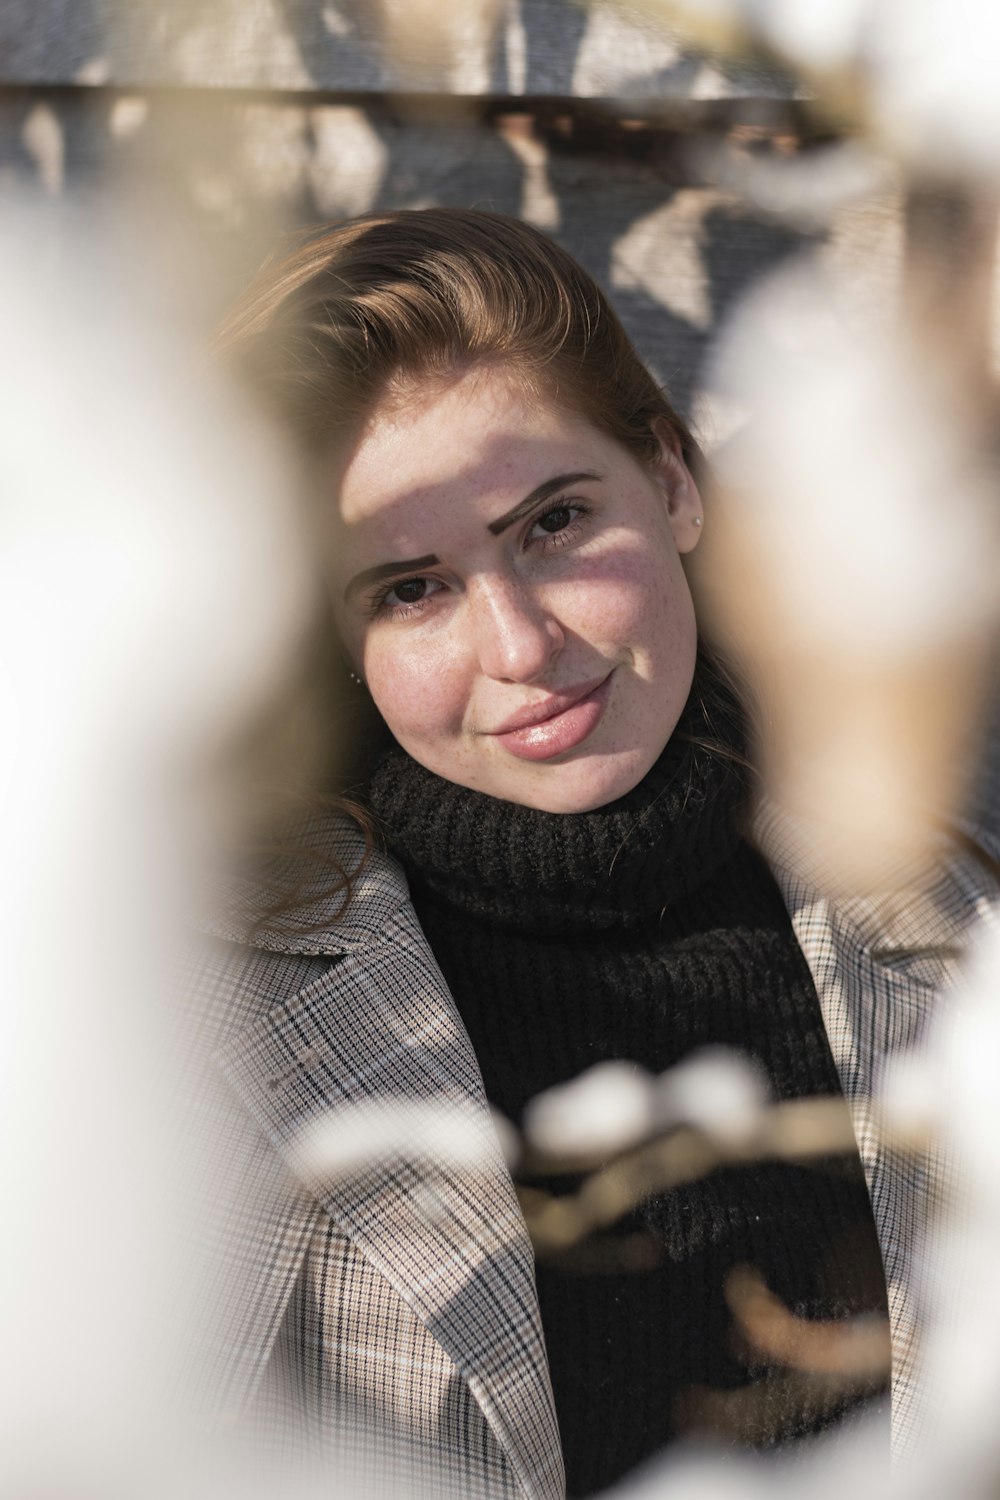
(406, 595)
(556, 519)
(410, 591)
(559, 525)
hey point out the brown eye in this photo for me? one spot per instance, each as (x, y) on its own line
(411, 590)
(406, 596)
(556, 519)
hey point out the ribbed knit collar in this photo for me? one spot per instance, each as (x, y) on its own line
(617, 866)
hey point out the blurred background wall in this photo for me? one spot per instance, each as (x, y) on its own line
(250, 117)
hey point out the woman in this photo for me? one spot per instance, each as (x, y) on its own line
(505, 504)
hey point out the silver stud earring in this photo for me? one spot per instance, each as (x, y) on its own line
(355, 678)
(696, 520)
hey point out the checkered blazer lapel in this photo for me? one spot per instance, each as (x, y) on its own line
(881, 966)
(379, 1025)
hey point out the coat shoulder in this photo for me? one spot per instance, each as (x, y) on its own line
(327, 892)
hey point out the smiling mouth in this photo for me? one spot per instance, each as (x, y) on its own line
(558, 725)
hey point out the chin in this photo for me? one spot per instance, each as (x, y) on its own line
(582, 786)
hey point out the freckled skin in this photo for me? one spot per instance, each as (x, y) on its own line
(590, 582)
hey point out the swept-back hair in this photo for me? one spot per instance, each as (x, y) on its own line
(360, 310)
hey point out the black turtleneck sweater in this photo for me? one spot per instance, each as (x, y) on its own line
(643, 931)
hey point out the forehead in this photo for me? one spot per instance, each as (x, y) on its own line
(479, 435)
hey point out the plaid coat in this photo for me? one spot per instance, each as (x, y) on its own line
(395, 1308)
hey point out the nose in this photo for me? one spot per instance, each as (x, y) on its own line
(516, 636)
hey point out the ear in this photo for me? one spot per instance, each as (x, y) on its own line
(684, 508)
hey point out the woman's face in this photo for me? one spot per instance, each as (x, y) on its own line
(508, 581)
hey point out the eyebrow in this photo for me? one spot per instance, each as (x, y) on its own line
(503, 523)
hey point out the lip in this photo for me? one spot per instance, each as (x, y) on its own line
(545, 730)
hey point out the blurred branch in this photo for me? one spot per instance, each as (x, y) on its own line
(852, 1346)
(793, 1130)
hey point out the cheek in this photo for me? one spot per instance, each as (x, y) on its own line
(421, 694)
(635, 597)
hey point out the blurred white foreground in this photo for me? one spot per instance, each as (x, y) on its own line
(152, 590)
(855, 553)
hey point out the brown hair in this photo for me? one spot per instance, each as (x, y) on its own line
(357, 310)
